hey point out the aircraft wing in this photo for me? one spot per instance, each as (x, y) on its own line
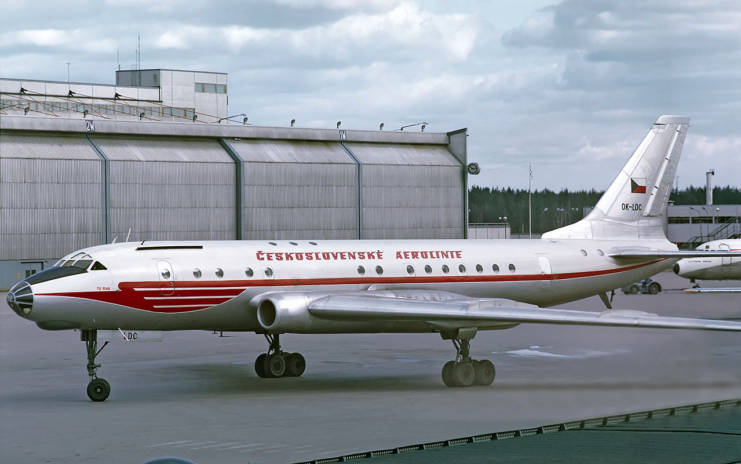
(492, 313)
(647, 253)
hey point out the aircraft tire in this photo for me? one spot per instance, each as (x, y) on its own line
(463, 374)
(98, 390)
(295, 365)
(485, 372)
(275, 365)
(260, 365)
(448, 374)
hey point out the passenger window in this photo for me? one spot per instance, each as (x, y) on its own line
(268, 272)
(197, 273)
(584, 252)
(479, 268)
(219, 273)
(495, 268)
(98, 266)
(512, 268)
(166, 274)
(248, 272)
(379, 270)
(446, 269)
(428, 269)
(461, 269)
(361, 270)
(410, 270)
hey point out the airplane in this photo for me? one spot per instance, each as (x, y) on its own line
(711, 268)
(454, 288)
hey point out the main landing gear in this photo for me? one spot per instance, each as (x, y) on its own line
(277, 363)
(98, 389)
(467, 372)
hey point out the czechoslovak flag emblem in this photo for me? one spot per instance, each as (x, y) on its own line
(637, 185)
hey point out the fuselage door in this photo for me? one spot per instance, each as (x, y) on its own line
(725, 247)
(166, 277)
(545, 271)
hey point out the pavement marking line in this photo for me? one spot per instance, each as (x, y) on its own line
(169, 443)
(243, 446)
(195, 444)
(265, 448)
(215, 446)
(289, 449)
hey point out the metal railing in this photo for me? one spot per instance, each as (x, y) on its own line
(729, 229)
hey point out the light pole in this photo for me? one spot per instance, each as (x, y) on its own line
(564, 211)
(707, 213)
(541, 220)
(698, 213)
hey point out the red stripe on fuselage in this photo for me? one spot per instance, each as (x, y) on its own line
(134, 294)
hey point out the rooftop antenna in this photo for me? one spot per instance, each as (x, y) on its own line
(68, 63)
(128, 235)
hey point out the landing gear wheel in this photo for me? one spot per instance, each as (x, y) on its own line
(484, 372)
(260, 366)
(295, 365)
(448, 374)
(98, 390)
(275, 365)
(463, 374)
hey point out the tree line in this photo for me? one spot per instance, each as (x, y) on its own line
(552, 210)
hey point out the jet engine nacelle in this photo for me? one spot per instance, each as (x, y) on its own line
(281, 313)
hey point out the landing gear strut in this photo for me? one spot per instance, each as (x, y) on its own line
(98, 389)
(277, 363)
(464, 371)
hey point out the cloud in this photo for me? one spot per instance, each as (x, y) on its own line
(56, 38)
(569, 87)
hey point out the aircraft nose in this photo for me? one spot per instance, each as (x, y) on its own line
(675, 268)
(20, 299)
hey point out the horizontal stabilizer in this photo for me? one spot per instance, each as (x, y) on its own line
(493, 313)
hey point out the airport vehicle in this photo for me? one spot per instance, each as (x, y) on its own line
(644, 286)
(451, 287)
(711, 267)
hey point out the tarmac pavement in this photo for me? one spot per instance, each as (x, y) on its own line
(196, 395)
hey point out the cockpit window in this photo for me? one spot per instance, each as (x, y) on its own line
(83, 263)
(98, 266)
(68, 263)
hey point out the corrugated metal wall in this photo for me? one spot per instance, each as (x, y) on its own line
(298, 190)
(50, 196)
(170, 189)
(410, 191)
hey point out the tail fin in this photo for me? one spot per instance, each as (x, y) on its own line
(633, 205)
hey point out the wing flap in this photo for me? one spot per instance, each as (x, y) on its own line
(492, 313)
(648, 253)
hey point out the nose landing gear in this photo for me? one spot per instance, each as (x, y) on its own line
(467, 372)
(98, 389)
(277, 363)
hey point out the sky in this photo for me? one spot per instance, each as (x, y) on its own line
(569, 88)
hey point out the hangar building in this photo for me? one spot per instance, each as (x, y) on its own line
(70, 183)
